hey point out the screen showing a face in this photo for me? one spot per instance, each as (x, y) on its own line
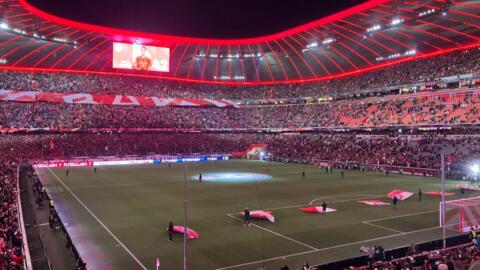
(140, 57)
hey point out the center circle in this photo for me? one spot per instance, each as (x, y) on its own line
(232, 177)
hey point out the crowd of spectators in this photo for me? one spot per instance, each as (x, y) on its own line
(456, 258)
(409, 151)
(438, 108)
(421, 70)
(11, 252)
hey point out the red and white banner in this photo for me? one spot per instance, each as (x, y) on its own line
(467, 187)
(400, 194)
(79, 98)
(373, 202)
(63, 164)
(316, 209)
(261, 214)
(191, 234)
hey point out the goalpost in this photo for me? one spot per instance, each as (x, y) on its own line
(460, 215)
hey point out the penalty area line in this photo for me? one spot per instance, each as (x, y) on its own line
(369, 222)
(382, 227)
(400, 216)
(98, 220)
(365, 197)
(275, 233)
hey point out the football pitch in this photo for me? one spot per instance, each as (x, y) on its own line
(117, 218)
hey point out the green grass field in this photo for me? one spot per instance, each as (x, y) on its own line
(117, 217)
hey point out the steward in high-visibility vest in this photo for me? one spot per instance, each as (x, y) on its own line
(473, 234)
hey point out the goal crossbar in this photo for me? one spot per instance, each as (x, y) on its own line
(461, 214)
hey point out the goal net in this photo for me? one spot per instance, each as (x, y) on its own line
(460, 215)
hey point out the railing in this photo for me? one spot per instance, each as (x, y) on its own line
(27, 262)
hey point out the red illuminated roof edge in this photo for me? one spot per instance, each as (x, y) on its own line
(169, 38)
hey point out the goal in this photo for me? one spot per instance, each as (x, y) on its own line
(461, 215)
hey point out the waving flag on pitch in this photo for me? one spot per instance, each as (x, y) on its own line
(191, 234)
(316, 209)
(261, 214)
(400, 194)
(467, 187)
(439, 193)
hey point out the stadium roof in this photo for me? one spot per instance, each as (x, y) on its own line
(368, 36)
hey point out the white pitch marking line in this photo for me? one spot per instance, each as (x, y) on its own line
(99, 221)
(125, 185)
(382, 227)
(406, 215)
(284, 207)
(277, 234)
(357, 199)
(368, 196)
(327, 248)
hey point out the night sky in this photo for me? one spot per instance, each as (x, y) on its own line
(200, 18)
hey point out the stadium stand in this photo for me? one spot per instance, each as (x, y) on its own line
(419, 71)
(367, 113)
(11, 238)
(339, 150)
(445, 108)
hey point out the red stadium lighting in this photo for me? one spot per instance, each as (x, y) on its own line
(131, 36)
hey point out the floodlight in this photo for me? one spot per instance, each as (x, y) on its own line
(475, 168)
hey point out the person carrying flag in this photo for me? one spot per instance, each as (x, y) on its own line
(170, 231)
(246, 217)
(324, 208)
(394, 201)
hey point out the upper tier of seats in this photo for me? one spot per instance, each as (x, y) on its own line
(421, 70)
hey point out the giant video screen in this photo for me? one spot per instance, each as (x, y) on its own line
(140, 57)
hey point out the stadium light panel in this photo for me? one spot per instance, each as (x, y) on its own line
(328, 41)
(397, 21)
(374, 28)
(426, 12)
(312, 45)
